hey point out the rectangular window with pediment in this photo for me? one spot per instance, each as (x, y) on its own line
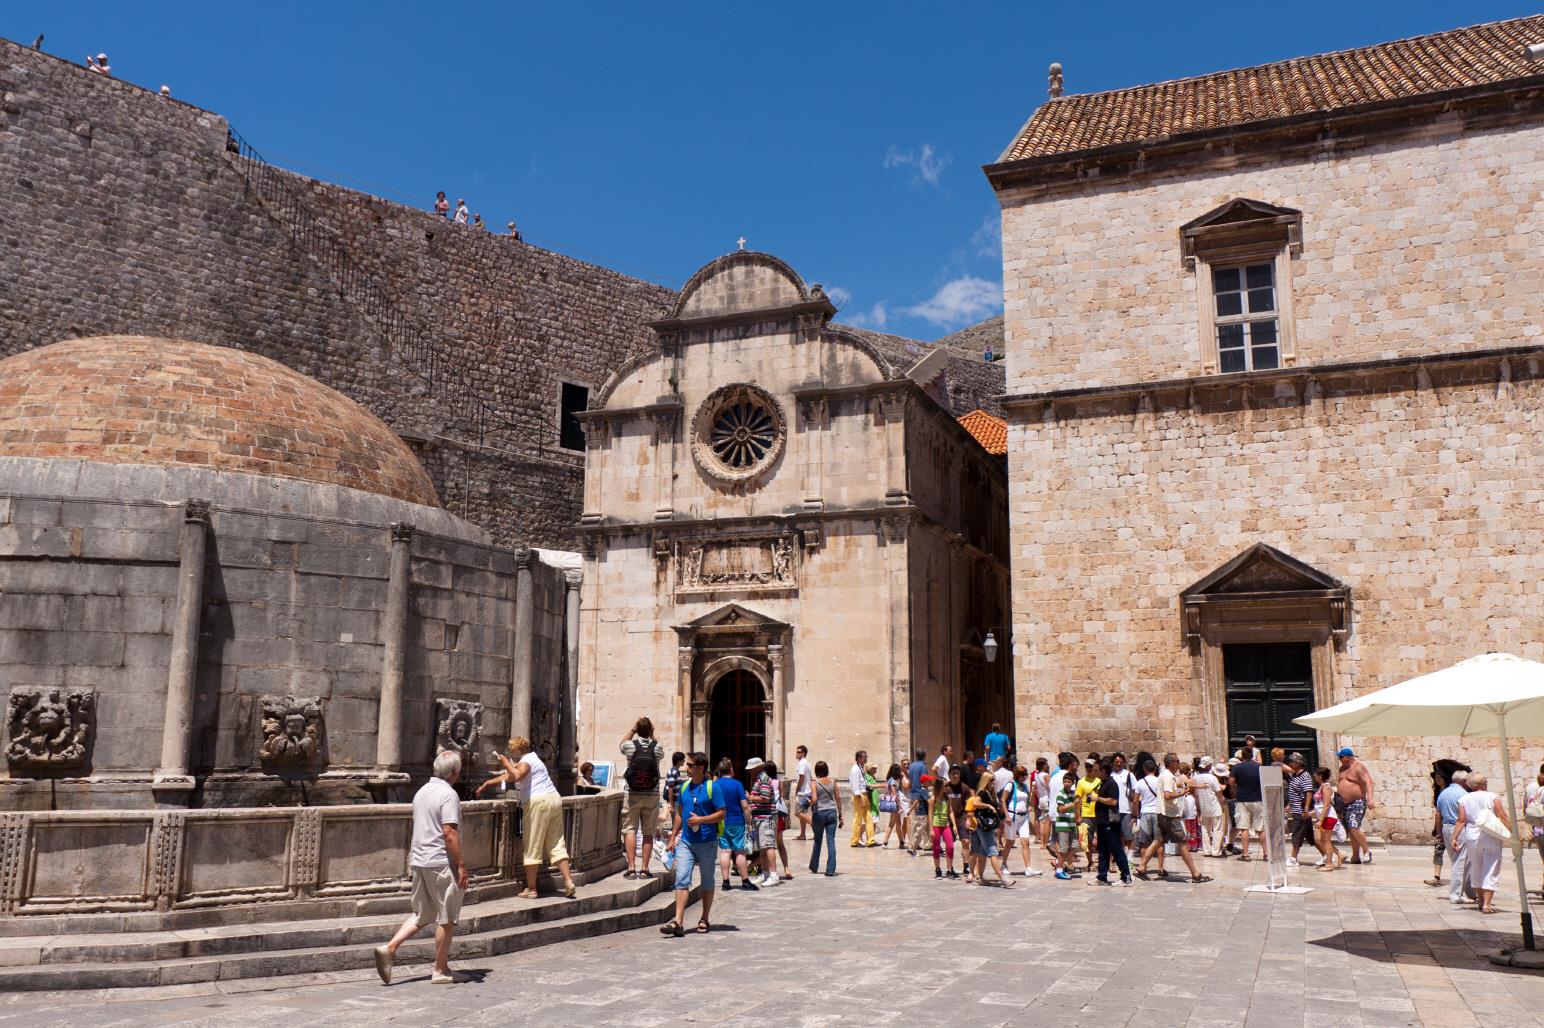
(1244, 309)
(1241, 254)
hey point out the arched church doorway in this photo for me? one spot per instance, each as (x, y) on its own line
(737, 726)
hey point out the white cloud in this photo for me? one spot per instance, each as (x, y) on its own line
(988, 239)
(839, 296)
(959, 302)
(875, 317)
(928, 162)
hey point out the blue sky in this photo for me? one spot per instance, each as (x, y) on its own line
(847, 138)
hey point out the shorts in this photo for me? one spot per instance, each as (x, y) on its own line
(802, 805)
(1300, 830)
(1021, 828)
(639, 811)
(1249, 817)
(765, 834)
(1171, 829)
(700, 855)
(1083, 831)
(436, 896)
(1066, 840)
(543, 840)
(734, 839)
(1128, 827)
(1351, 812)
(983, 842)
(782, 822)
(1148, 830)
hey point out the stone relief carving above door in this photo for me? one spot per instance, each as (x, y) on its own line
(767, 564)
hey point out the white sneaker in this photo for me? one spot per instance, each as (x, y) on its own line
(1320, 862)
(766, 880)
(1291, 861)
(1031, 873)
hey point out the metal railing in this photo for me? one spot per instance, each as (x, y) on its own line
(525, 430)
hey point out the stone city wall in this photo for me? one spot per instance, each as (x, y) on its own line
(1418, 490)
(1426, 244)
(125, 212)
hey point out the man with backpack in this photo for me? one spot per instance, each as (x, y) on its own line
(640, 800)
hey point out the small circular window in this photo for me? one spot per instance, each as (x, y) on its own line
(737, 433)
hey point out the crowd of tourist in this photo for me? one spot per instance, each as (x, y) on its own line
(461, 215)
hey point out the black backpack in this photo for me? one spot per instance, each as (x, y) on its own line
(642, 774)
(987, 817)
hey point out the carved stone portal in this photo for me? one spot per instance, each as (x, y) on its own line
(459, 727)
(737, 565)
(293, 734)
(50, 729)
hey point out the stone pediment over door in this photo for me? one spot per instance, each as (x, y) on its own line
(732, 618)
(1265, 584)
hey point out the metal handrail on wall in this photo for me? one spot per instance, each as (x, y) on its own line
(532, 432)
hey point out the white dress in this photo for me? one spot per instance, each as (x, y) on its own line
(1482, 851)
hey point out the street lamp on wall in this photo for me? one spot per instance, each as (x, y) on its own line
(989, 647)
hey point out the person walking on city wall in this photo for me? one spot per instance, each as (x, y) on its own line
(803, 790)
(640, 796)
(441, 205)
(543, 809)
(1300, 786)
(1353, 789)
(1448, 799)
(695, 843)
(1250, 801)
(1326, 819)
(1481, 850)
(825, 818)
(942, 827)
(862, 811)
(462, 213)
(437, 869)
(1107, 826)
(920, 821)
(734, 842)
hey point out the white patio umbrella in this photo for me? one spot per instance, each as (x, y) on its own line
(1486, 697)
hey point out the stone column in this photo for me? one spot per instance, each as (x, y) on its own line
(776, 657)
(388, 725)
(568, 691)
(523, 650)
(686, 656)
(177, 723)
(700, 726)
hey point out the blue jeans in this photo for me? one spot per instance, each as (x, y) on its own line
(1108, 836)
(701, 855)
(824, 823)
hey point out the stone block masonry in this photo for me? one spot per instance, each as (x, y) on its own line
(125, 212)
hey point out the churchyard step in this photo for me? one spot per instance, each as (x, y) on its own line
(82, 963)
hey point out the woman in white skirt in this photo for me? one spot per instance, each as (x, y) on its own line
(1481, 849)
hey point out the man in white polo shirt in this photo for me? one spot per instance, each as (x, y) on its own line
(437, 869)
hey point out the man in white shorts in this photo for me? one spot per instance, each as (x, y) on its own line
(438, 871)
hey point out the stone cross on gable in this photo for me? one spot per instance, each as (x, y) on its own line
(742, 242)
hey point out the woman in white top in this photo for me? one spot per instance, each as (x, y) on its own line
(1533, 810)
(1481, 850)
(1020, 827)
(543, 822)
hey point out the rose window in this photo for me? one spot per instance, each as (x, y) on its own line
(737, 433)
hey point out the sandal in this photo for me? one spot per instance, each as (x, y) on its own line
(672, 928)
(1245, 856)
(525, 894)
(703, 927)
(1144, 875)
(1199, 879)
(787, 877)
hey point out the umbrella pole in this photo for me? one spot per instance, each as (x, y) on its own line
(1517, 844)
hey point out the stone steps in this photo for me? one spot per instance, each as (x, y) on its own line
(260, 950)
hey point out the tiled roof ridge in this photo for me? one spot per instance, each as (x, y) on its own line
(1285, 61)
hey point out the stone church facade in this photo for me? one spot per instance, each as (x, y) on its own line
(788, 537)
(1274, 361)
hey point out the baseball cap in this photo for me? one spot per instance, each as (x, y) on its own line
(979, 763)
(1344, 751)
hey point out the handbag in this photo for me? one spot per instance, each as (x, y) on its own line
(1491, 825)
(1535, 809)
(887, 804)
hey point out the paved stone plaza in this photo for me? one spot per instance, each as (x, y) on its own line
(884, 943)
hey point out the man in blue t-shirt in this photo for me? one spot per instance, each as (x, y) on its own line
(996, 743)
(694, 841)
(920, 830)
(729, 793)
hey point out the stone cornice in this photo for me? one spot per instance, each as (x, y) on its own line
(667, 405)
(788, 312)
(1498, 105)
(1396, 374)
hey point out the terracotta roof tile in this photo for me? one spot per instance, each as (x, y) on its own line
(1403, 69)
(990, 431)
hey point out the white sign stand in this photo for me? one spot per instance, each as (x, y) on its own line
(1271, 787)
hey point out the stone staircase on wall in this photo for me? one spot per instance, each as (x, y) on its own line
(132, 950)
